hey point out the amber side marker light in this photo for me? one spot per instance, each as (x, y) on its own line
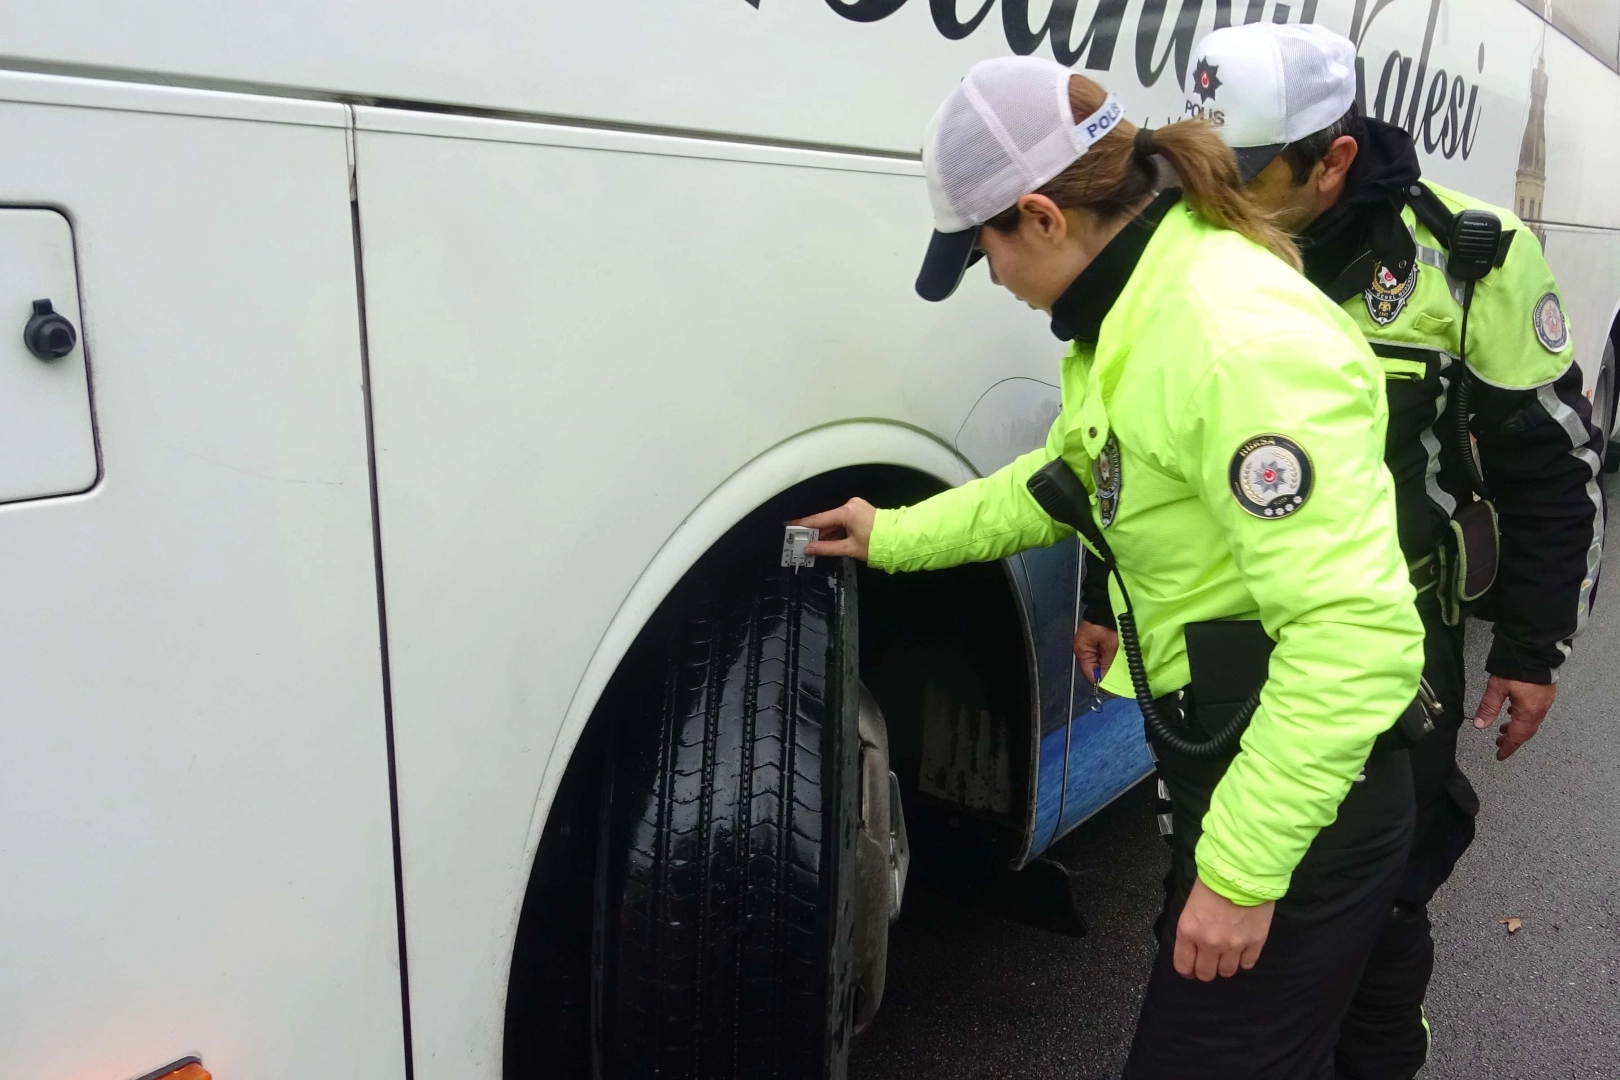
(187, 1068)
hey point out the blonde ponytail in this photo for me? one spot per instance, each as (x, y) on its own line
(1118, 172)
(1213, 187)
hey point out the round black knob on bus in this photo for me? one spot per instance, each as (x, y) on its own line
(49, 335)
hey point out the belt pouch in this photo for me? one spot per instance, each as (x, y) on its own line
(1226, 660)
(1468, 557)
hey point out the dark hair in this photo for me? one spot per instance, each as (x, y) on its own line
(1119, 171)
(1303, 154)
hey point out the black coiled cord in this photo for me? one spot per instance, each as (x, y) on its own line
(1210, 748)
(1060, 494)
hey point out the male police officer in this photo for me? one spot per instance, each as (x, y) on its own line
(1473, 340)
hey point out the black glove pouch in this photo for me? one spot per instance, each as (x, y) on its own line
(1468, 557)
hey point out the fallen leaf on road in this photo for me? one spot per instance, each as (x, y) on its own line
(1512, 924)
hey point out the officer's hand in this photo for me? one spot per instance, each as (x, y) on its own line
(1216, 936)
(1095, 647)
(1527, 707)
(844, 531)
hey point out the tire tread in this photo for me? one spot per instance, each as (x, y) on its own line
(715, 920)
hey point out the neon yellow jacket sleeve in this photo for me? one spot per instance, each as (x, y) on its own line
(1330, 586)
(985, 519)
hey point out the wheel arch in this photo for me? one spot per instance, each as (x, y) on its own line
(903, 455)
(1608, 357)
(1614, 405)
(779, 469)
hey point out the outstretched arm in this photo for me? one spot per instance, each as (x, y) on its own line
(985, 519)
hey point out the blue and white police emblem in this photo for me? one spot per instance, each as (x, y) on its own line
(1388, 294)
(1108, 479)
(1551, 326)
(1271, 476)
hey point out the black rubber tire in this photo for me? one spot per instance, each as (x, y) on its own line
(1606, 405)
(723, 919)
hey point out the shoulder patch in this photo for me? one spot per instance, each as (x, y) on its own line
(1271, 476)
(1551, 326)
(1387, 295)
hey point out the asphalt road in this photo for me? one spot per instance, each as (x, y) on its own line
(972, 995)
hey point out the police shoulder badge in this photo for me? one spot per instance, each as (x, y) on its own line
(1551, 326)
(1106, 475)
(1388, 294)
(1271, 476)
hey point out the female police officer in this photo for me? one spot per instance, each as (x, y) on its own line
(1228, 425)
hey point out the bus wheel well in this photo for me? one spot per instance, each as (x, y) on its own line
(1606, 399)
(954, 628)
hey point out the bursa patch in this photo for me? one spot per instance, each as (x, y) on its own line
(1271, 476)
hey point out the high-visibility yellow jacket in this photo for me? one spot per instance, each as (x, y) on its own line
(1235, 421)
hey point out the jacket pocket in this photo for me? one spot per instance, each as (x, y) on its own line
(1435, 328)
(1408, 370)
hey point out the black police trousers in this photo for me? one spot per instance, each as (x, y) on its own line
(1281, 1019)
(1383, 1036)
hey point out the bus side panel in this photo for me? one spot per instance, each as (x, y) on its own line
(1580, 108)
(1580, 181)
(1586, 263)
(194, 818)
(842, 72)
(572, 346)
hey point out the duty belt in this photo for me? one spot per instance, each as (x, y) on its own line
(1413, 725)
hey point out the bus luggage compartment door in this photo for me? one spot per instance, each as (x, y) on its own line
(47, 443)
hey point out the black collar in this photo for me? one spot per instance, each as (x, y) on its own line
(1077, 315)
(1345, 246)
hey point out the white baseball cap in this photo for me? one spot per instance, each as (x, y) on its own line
(1265, 85)
(1003, 132)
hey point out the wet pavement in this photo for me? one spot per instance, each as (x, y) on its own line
(972, 996)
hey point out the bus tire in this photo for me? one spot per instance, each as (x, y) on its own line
(1605, 405)
(725, 914)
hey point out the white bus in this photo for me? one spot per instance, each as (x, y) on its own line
(402, 404)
